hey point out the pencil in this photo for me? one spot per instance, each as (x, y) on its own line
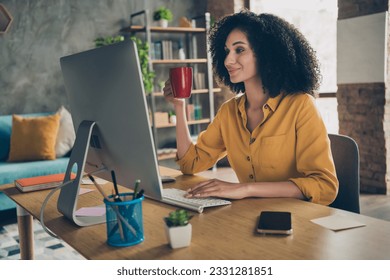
(99, 188)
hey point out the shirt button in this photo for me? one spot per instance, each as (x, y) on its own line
(251, 176)
(252, 140)
(248, 158)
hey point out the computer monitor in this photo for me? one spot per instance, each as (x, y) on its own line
(109, 111)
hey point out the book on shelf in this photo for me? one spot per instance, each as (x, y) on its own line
(156, 50)
(165, 49)
(200, 80)
(167, 52)
(41, 182)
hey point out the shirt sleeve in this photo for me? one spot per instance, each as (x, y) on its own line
(208, 149)
(313, 157)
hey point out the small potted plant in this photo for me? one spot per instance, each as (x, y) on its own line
(163, 16)
(178, 228)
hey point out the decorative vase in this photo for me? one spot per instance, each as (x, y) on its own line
(179, 237)
(163, 22)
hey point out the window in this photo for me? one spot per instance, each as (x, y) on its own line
(317, 20)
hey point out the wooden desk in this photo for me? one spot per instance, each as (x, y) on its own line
(226, 232)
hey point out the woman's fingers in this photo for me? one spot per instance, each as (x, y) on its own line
(204, 189)
(217, 188)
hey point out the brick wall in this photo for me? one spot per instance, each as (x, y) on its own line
(218, 8)
(361, 109)
(354, 8)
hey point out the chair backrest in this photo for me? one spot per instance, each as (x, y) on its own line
(346, 159)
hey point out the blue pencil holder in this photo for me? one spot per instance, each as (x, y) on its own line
(124, 220)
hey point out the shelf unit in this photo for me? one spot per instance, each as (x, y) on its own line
(191, 35)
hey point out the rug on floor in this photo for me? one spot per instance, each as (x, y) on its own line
(46, 247)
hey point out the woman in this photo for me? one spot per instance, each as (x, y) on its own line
(272, 133)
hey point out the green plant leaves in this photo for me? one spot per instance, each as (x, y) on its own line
(179, 217)
(163, 13)
(143, 54)
(99, 42)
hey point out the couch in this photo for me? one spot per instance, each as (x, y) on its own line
(9, 171)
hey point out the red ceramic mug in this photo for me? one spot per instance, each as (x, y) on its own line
(181, 81)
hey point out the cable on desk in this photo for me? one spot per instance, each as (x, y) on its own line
(44, 206)
(51, 194)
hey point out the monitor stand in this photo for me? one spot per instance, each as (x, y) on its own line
(67, 201)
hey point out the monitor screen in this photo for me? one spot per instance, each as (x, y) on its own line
(104, 86)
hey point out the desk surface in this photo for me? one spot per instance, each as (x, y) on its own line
(226, 232)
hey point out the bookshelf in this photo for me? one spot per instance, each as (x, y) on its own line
(162, 56)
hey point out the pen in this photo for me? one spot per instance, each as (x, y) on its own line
(136, 188)
(140, 194)
(116, 197)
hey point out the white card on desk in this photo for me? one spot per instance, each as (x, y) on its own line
(84, 191)
(91, 211)
(86, 181)
(337, 222)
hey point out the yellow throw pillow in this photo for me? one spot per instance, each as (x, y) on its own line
(33, 138)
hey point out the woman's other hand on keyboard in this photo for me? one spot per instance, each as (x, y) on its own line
(217, 188)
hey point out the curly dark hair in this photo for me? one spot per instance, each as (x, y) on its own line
(285, 60)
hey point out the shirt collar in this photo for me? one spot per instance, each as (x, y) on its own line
(271, 102)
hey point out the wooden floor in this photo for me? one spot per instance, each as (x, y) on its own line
(377, 206)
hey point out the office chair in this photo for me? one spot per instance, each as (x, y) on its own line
(346, 159)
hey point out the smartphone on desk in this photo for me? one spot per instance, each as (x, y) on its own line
(274, 222)
(167, 179)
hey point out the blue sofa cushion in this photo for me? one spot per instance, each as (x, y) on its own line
(7, 210)
(13, 170)
(5, 136)
(9, 171)
(6, 203)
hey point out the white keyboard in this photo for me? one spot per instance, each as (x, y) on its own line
(176, 197)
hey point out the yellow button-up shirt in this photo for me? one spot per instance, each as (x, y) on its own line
(290, 144)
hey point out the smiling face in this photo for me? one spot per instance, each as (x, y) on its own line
(240, 60)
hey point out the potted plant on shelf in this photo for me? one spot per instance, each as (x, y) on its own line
(163, 16)
(178, 228)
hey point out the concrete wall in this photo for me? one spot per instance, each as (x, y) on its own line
(45, 30)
